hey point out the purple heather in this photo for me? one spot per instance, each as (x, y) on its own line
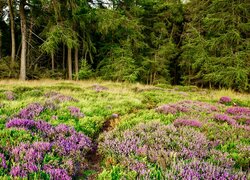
(225, 99)
(75, 112)
(225, 118)
(20, 123)
(2, 161)
(186, 122)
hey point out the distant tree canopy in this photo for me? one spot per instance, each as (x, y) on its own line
(200, 42)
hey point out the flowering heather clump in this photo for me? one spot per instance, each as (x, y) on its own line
(61, 140)
(203, 170)
(75, 112)
(2, 161)
(31, 111)
(165, 144)
(225, 100)
(50, 105)
(239, 111)
(56, 173)
(10, 95)
(20, 123)
(186, 107)
(225, 118)
(186, 122)
(140, 168)
(57, 97)
(23, 170)
(42, 146)
(18, 171)
(154, 139)
(221, 159)
(44, 127)
(171, 109)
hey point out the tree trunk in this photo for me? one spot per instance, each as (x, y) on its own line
(29, 42)
(12, 28)
(24, 45)
(52, 61)
(76, 63)
(69, 63)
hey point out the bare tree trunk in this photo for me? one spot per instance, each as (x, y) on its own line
(29, 42)
(76, 63)
(70, 63)
(52, 61)
(12, 27)
(24, 45)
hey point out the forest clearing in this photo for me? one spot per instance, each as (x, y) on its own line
(125, 89)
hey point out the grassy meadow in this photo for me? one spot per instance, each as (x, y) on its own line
(106, 130)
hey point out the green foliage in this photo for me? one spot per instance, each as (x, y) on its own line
(119, 66)
(8, 70)
(85, 71)
(12, 137)
(215, 49)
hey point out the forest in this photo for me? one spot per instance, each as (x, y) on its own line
(197, 42)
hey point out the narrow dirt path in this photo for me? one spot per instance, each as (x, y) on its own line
(93, 157)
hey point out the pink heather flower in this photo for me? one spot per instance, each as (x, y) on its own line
(142, 150)
(31, 111)
(17, 171)
(186, 122)
(139, 167)
(57, 173)
(75, 112)
(226, 118)
(42, 146)
(20, 123)
(239, 111)
(2, 161)
(225, 99)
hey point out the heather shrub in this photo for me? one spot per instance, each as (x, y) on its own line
(238, 111)
(187, 107)
(187, 122)
(161, 144)
(225, 100)
(58, 151)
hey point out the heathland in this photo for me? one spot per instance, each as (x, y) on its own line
(106, 130)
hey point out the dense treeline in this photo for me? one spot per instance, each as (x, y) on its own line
(201, 42)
